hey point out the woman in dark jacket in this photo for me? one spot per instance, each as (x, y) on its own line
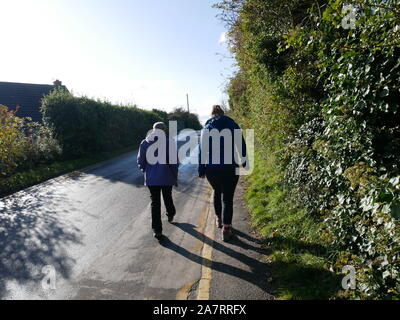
(222, 174)
(159, 177)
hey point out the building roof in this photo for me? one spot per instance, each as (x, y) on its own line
(25, 95)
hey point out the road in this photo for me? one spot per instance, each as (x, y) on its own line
(92, 228)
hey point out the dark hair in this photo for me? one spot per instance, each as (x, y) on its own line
(217, 111)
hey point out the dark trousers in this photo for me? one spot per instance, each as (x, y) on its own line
(155, 194)
(224, 184)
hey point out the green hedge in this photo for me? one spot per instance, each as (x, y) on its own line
(324, 101)
(85, 126)
(185, 119)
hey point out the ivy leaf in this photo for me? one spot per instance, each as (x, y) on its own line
(384, 92)
(386, 208)
(395, 181)
(396, 211)
(370, 59)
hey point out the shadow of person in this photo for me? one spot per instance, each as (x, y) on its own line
(251, 262)
(256, 276)
(236, 241)
(296, 246)
(248, 237)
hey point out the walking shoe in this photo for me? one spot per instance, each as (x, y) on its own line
(227, 233)
(218, 222)
(157, 235)
(170, 219)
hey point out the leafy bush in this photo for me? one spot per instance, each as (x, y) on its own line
(325, 102)
(12, 140)
(24, 144)
(162, 114)
(185, 119)
(41, 147)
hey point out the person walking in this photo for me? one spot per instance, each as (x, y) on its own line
(221, 173)
(159, 176)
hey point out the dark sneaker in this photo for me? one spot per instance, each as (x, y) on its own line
(157, 235)
(170, 219)
(227, 234)
(218, 222)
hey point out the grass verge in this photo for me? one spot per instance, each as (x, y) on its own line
(28, 178)
(299, 258)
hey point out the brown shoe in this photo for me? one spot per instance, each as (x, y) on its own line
(227, 233)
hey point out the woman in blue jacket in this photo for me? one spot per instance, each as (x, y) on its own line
(159, 177)
(221, 174)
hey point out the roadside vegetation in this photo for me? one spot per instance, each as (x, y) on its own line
(85, 126)
(324, 97)
(184, 119)
(24, 146)
(76, 132)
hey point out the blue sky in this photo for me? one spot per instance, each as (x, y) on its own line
(149, 52)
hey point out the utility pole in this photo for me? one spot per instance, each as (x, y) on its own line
(187, 100)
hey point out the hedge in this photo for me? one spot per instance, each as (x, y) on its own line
(325, 101)
(86, 126)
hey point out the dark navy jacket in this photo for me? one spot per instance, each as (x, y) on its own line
(219, 123)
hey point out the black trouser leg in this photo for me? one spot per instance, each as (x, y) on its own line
(218, 202)
(229, 184)
(215, 181)
(155, 194)
(168, 200)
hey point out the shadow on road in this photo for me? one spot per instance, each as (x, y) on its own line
(32, 236)
(289, 278)
(257, 275)
(127, 174)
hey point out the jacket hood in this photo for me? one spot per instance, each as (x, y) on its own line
(220, 122)
(152, 135)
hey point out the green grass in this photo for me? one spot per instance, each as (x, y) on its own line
(28, 178)
(298, 254)
(299, 270)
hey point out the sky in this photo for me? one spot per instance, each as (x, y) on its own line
(145, 52)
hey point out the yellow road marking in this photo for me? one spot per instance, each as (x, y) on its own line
(199, 249)
(204, 288)
(184, 292)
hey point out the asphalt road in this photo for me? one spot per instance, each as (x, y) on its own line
(87, 235)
